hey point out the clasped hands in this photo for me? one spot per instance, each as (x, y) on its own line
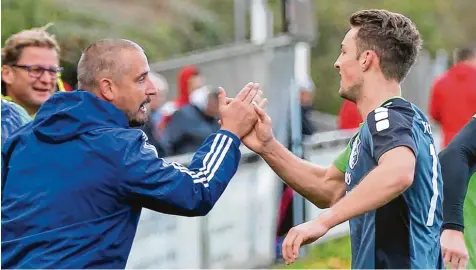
(245, 117)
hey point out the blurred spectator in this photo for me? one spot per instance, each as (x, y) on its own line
(189, 80)
(13, 117)
(192, 124)
(30, 68)
(453, 95)
(349, 116)
(153, 108)
(306, 96)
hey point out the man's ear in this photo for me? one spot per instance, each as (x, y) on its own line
(366, 60)
(106, 89)
(8, 75)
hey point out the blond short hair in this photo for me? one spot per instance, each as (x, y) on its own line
(35, 37)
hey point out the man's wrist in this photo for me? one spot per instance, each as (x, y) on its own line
(232, 135)
(232, 130)
(327, 219)
(269, 148)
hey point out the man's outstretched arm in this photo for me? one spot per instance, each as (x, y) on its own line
(172, 188)
(320, 185)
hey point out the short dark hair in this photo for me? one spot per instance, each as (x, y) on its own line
(394, 38)
(465, 54)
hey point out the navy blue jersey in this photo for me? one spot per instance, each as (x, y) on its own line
(405, 233)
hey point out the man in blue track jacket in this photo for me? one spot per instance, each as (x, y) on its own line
(75, 179)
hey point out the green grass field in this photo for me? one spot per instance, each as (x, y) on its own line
(334, 254)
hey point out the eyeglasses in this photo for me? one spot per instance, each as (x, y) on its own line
(37, 71)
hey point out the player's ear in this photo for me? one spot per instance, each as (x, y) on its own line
(366, 60)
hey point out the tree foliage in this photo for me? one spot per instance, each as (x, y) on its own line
(166, 28)
(443, 25)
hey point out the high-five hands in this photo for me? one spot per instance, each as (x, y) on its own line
(262, 133)
(238, 115)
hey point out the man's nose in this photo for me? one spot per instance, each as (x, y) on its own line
(337, 64)
(151, 91)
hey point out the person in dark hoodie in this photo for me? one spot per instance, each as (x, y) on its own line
(453, 95)
(190, 125)
(78, 206)
(189, 80)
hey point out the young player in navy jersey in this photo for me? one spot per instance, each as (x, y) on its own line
(387, 182)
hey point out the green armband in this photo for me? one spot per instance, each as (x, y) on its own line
(343, 159)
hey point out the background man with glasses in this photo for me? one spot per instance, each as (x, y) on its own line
(30, 68)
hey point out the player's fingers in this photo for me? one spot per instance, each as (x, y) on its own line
(244, 92)
(258, 97)
(454, 261)
(263, 103)
(251, 95)
(262, 115)
(463, 262)
(288, 246)
(296, 245)
(228, 100)
(221, 97)
(447, 256)
(284, 247)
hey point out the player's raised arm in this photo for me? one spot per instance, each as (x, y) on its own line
(457, 161)
(322, 186)
(190, 191)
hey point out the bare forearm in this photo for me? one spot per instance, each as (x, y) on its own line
(307, 179)
(377, 189)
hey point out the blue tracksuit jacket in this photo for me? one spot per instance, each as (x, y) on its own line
(75, 179)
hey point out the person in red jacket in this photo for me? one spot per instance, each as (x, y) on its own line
(453, 95)
(349, 116)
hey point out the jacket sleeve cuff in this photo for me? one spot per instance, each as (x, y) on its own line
(234, 138)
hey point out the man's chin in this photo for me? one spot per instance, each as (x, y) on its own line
(138, 122)
(342, 93)
(346, 95)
